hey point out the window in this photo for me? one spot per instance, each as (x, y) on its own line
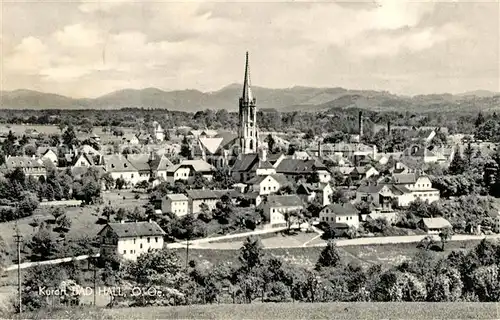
(140, 246)
(132, 176)
(148, 239)
(156, 239)
(124, 251)
(134, 241)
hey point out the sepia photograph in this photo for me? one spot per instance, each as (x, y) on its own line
(230, 159)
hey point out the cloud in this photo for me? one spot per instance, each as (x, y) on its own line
(201, 45)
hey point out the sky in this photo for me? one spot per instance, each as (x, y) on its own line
(90, 48)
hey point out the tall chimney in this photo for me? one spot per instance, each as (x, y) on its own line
(360, 124)
(319, 149)
(389, 127)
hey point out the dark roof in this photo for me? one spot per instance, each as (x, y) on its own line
(404, 178)
(284, 201)
(245, 162)
(372, 188)
(227, 138)
(139, 161)
(202, 194)
(299, 166)
(135, 229)
(344, 209)
(265, 165)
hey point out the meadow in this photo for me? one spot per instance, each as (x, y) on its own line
(289, 311)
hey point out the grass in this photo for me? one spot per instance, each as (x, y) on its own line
(277, 311)
(268, 241)
(385, 254)
(83, 219)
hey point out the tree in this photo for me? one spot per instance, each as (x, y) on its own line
(185, 148)
(251, 253)
(445, 235)
(64, 223)
(120, 183)
(329, 257)
(43, 245)
(479, 120)
(270, 143)
(486, 283)
(28, 203)
(69, 137)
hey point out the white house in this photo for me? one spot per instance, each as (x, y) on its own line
(175, 203)
(119, 167)
(265, 185)
(130, 239)
(337, 213)
(50, 155)
(276, 206)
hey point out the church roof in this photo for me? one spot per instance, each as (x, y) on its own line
(211, 144)
(247, 91)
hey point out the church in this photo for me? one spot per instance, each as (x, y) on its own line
(225, 149)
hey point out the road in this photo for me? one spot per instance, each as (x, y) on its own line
(360, 241)
(48, 262)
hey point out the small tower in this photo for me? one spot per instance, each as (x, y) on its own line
(247, 131)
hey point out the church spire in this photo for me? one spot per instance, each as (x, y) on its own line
(247, 91)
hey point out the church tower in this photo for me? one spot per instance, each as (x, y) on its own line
(247, 131)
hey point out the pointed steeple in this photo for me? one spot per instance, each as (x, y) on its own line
(247, 91)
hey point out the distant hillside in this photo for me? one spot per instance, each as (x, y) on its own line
(291, 99)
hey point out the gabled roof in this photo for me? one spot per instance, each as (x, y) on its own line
(342, 209)
(160, 163)
(140, 161)
(372, 188)
(299, 166)
(211, 144)
(227, 138)
(118, 163)
(202, 194)
(284, 201)
(85, 156)
(177, 197)
(198, 165)
(23, 162)
(436, 223)
(135, 229)
(265, 165)
(88, 149)
(245, 162)
(280, 178)
(404, 178)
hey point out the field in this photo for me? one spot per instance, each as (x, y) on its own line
(277, 311)
(83, 219)
(386, 254)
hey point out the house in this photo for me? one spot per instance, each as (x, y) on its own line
(175, 203)
(83, 160)
(336, 213)
(141, 163)
(119, 167)
(198, 197)
(380, 195)
(187, 169)
(159, 166)
(250, 165)
(295, 169)
(310, 191)
(410, 187)
(31, 166)
(264, 185)
(276, 206)
(50, 155)
(360, 173)
(159, 133)
(130, 138)
(434, 225)
(130, 239)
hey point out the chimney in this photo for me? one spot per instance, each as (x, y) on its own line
(389, 127)
(319, 149)
(360, 124)
(374, 152)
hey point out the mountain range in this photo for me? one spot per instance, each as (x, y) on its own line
(291, 99)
